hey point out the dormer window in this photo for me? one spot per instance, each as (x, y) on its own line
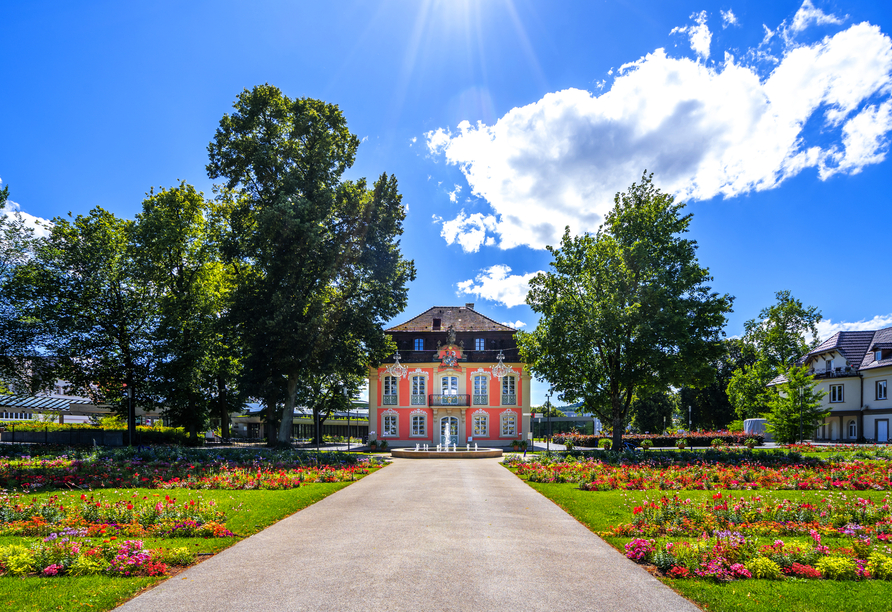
(436, 324)
(878, 355)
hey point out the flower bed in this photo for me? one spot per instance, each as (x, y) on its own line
(835, 514)
(595, 475)
(209, 472)
(69, 553)
(127, 517)
(694, 439)
(731, 556)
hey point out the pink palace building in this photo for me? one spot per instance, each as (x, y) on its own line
(456, 378)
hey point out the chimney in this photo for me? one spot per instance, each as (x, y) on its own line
(469, 305)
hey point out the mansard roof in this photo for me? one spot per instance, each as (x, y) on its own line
(461, 318)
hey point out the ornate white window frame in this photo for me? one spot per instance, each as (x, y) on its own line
(510, 398)
(480, 399)
(392, 398)
(419, 399)
(388, 417)
(418, 414)
(508, 418)
(484, 416)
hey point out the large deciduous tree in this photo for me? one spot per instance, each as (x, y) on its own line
(177, 248)
(22, 368)
(626, 312)
(90, 299)
(326, 269)
(780, 335)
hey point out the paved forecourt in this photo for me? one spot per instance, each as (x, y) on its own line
(420, 534)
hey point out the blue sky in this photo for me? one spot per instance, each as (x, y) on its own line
(503, 120)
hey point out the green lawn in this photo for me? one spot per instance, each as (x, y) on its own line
(247, 513)
(601, 510)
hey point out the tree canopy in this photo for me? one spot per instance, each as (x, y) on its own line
(626, 312)
(327, 271)
(775, 339)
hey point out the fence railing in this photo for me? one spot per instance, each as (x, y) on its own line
(441, 399)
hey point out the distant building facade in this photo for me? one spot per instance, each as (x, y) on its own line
(456, 378)
(854, 369)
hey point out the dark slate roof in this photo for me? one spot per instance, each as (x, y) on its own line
(462, 318)
(881, 340)
(853, 345)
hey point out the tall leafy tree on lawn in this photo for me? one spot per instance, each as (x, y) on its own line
(89, 297)
(178, 251)
(626, 312)
(780, 335)
(22, 367)
(327, 271)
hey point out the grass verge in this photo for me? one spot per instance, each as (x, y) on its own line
(599, 511)
(248, 512)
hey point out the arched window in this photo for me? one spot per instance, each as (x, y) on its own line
(853, 429)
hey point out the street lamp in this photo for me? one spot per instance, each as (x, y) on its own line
(347, 396)
(689, 418)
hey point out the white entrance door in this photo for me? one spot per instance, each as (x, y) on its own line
(449, 430)
(883, 430)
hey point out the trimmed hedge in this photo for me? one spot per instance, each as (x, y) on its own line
(145, 435)
(695, 439)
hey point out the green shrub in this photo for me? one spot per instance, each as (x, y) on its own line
(174, 556)
(760, 567)
(838, 568)
(87, 565)
(880, 566)
(605, 444)
(646, 444)
(16, 559)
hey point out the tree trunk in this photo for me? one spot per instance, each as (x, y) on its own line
(617, 442)
(223, 408)
(270, 425)
(287, 424)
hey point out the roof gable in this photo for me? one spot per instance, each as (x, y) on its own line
(461, 318)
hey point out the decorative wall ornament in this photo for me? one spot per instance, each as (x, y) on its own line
(500, 369)
(419, 372)
(480, 411)
(397, 369)
(419, 411)
(389, 411)
(507, 411)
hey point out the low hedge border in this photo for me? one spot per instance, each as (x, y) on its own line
(694, 439)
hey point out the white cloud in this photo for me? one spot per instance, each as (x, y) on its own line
(498, 285)
(413, 140)
(827, 328)
(453, 195)
(699, 34)
(808, 15)
(469, 231)
(40, 225)
(728, 18)
(515, 324)
(704, 131)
